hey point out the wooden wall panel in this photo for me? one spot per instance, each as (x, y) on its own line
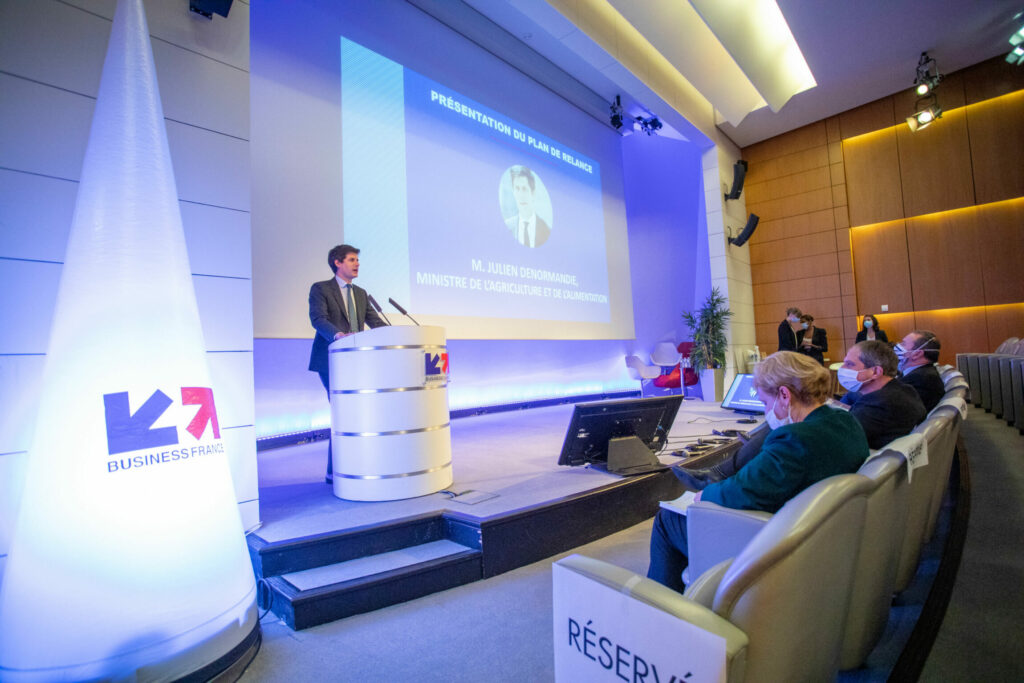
(945, 259)
(776, 271)
(811, 135)
(814, 244)
(996, 130)
(1004, 322)
(881, 267)
(797, 287)
(805, 202)
(873, 178)
(935, 165)
(961, 330)
(794, 226)
(1001, 242)
(785, 186)
(865, 119)
(991, 79)
(760, 171)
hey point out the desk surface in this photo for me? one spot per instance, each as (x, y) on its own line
(697, 419)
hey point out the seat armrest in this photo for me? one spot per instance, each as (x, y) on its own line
(716, 533)
(702, 590)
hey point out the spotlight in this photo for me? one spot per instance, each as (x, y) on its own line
(616, 119)
(925, 115)
(649, 125)
(927, 76)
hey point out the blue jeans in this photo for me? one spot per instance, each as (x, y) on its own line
(668, 550)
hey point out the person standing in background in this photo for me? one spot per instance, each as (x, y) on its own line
(815, 340)
(871, 330)
(790, 332)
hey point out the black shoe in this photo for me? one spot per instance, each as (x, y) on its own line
(329, 479)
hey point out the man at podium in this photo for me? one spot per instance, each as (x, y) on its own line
(337, 308)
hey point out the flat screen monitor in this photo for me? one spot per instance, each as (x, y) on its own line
(593, 425)
(742, 397)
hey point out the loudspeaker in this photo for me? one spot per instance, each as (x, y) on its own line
(207, 8)
(748, 230)
(739, 172)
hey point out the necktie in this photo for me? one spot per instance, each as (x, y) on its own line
(351, 304)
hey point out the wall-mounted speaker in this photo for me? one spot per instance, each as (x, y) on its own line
(748, 230)
(207, 8)
(739, 172)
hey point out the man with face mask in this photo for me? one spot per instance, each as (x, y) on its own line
(885, 409)
(917, 354)
(809, 441)
(790, 332)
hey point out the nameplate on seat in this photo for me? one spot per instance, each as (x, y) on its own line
(602, 634)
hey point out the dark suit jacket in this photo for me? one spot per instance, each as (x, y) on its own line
(789, 340)
(327, 313)
(927, 383)
(819, 338)
(886, 414)
(543, 232)
(880, 335)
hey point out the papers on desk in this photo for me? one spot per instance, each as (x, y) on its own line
(681, 503)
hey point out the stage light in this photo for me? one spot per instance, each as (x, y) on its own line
(616, 119)
(1016, 56)
(927, 76)
(925, 115)
(650, 125)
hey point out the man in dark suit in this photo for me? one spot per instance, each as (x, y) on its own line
(918, 353)
(337, 308)
(886, 409)
(526, 226)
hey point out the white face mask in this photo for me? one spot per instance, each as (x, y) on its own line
(803, 325)
(868, 324)
(773, 420)
(848, 378)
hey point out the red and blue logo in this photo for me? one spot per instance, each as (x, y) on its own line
(436, 367)
(128, 432)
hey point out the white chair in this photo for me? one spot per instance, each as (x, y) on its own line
(665, 355)
(781, 604)
(640, 371)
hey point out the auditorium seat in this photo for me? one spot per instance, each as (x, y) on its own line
(978, 372)
(877, 561)
(786, 593)
(941, 455)
(665, 355)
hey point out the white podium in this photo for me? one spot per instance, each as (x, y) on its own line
(389, 413)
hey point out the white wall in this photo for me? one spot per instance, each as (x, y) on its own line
(51, 58)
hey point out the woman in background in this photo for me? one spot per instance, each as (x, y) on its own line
(871, 330)
(815, 340)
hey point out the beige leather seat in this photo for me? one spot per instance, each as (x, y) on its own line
(781, 603)
(923, 481)
(941, 455)
(875, 575)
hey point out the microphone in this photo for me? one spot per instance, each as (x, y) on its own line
(376, 307)
(401, 310)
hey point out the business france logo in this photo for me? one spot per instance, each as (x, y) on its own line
(129, 432)
(435, 368)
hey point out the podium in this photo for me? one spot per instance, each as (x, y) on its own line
(390, 432)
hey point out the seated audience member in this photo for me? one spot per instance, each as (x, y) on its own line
(871, 330)
(917, 354)
(809, 441)
(885, 409)
(815, 340)
(790, 332)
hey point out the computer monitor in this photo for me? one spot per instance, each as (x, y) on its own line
(742, 397)
(593, 425)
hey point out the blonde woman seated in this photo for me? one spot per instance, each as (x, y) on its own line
(809, 442)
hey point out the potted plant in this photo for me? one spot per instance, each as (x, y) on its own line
(707, 325)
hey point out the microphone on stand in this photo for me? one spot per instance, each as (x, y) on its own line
(401, 310)
(376, 307)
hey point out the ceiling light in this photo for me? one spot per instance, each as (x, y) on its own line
(927, 76)
(924, 116)
(616, 118)
(1016, 56)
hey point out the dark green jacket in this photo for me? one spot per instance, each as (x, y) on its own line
(827, 442)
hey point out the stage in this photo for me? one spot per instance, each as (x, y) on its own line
(510, 504)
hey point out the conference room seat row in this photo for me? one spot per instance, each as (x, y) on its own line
(806, 592)
(997, 380)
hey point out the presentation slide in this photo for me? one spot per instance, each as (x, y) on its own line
(479, 215)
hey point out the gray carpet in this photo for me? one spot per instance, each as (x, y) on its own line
(980, 638)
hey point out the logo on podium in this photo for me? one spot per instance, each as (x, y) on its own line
(435, 368)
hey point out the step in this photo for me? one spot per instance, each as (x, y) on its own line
(318, 595)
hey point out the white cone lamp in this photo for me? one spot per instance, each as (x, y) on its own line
(128, 560)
